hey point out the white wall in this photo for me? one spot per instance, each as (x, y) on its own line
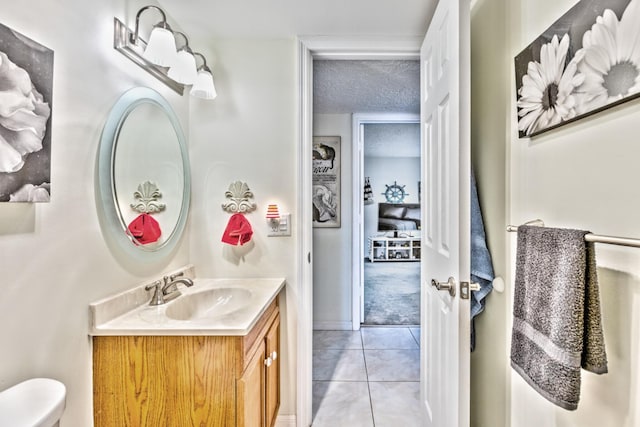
(332, 294)
(249, 134)
(490, 91)
(583, 175)
(53, 256)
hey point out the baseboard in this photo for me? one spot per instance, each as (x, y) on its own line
(332, 326)
(286, 421)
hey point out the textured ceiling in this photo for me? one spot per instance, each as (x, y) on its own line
(341, 87)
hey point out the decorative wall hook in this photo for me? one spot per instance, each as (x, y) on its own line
(239, 194)
(147, 198)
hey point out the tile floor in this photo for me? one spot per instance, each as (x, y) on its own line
(366, 378)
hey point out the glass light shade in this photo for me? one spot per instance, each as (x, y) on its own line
(203, 86)
(272, 212)
(183, 70)
(161, 49)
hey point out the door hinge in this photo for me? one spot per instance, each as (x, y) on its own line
(465, 287)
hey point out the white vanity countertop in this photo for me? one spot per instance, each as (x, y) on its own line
(107, 318)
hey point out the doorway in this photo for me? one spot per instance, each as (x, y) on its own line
(447, 56)
(309, 49)
(386, 242)
(339, 252)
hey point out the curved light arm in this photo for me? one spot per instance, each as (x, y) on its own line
(204, 66)
(186, 46)
(162, 24)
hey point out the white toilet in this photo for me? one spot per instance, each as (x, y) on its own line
(38, 402)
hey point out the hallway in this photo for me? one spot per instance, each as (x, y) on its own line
(366, 378)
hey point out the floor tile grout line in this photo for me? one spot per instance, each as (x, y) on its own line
(364, 357)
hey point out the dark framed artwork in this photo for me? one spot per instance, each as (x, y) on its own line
(326, 181)
(26, 85)
(586, 62)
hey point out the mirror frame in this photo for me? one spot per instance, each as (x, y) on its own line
(113, 228)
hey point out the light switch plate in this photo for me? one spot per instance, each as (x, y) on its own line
(284, 229)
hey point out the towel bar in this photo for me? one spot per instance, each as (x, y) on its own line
(590, 237)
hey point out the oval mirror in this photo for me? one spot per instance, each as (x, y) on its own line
(143, 175)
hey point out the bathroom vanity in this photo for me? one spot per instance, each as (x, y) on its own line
(223, 369)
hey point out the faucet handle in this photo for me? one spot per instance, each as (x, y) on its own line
(158, 295)
(155, 285)
(174, 276)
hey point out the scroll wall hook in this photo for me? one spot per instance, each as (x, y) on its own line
(147, 197)
(239, 195)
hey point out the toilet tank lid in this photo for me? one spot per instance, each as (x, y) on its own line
(37, 402)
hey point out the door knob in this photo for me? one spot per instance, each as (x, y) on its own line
(449, 285)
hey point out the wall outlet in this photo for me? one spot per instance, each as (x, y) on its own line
(284, 229)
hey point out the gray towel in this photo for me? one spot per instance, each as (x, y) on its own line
(556, 313)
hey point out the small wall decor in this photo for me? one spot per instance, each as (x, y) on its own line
(326, 181)
(238, 231)
(586, 62)
(26, 73)
(147, 197)
(368, 192)
(395, 193)
(239, 195)
(144, 228)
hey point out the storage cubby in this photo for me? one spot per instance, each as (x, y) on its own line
(382, 248)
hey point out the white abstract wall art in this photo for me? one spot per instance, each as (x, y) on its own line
(26, 83)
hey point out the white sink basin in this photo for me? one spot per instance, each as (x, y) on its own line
(211, 307)
(208, 304)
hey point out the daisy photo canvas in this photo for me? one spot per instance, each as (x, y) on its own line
(586, 62)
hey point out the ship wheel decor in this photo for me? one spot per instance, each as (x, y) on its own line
(395, 193)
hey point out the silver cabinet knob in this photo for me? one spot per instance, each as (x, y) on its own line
(268, 361)
(274, 355)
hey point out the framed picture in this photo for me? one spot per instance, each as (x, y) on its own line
(26, 73)
(586, 62)
(326, 181)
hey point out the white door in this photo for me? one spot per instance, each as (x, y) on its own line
(445, 117)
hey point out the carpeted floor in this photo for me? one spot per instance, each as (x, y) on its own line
(391, 293)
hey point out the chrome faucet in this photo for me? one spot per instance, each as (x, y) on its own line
(167, 289)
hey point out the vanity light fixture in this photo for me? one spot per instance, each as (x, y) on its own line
(183, 70)
(161, 48)
(273, 217)
(204, 87)
(160, 58)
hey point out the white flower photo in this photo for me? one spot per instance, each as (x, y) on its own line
(586, 62)
(610, 58)
(546, 94)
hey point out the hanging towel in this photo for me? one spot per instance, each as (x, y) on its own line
(556, 313)
(238, 231)
(145, 229)
(481, 265)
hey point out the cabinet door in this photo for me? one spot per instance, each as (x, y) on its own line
(272, 386)
(251, 392)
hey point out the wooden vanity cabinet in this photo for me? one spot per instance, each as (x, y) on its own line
(216, 381)
(259, 386)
